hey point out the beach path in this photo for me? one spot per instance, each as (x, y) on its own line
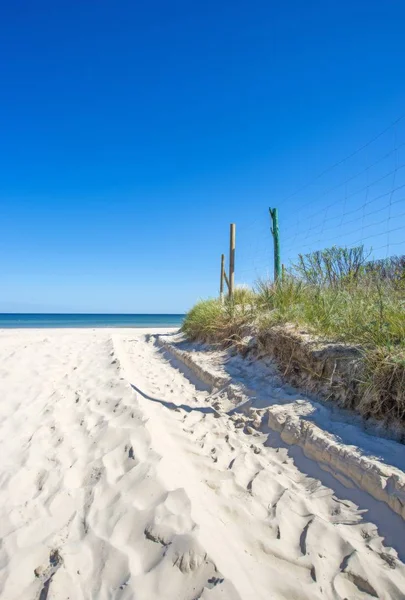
(119, 480)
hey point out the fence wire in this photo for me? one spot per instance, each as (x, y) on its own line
(359, 200)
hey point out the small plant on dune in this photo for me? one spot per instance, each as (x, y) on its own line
(279, 302)
(265, 291)
(201, 322)
(388, 269)
(244, 298)
(219, 322)
(331, 266)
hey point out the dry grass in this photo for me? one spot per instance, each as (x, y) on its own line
(383, 390)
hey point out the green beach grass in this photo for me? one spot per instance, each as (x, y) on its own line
(367, 310)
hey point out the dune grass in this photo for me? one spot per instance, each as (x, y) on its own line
(212, 321)
(368, 312)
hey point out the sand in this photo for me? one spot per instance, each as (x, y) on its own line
(120, 479)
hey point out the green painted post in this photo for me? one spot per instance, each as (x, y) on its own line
(276, 238)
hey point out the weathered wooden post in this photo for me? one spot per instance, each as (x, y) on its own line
(232, 261)
(221, 285)
(276, 239)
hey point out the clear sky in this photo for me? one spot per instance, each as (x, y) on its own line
(133, 133)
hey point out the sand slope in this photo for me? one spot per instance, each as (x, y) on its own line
(119, 480)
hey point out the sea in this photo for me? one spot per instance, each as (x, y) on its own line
(42, 320)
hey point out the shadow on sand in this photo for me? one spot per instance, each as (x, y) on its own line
(172, 406)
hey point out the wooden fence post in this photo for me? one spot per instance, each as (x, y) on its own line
(232, 261)
(221, 285)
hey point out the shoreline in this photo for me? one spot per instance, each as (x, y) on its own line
(140, 330)
(89, 320)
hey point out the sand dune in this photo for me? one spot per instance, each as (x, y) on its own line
(120, 480)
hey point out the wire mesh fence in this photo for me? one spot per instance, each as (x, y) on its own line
(359, 200)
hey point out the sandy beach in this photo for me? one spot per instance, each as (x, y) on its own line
(120, 479)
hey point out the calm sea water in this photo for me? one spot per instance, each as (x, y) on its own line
(14, 320)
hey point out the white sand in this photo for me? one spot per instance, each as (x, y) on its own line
(107, 491)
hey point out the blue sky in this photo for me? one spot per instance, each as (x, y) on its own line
(132, 134)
